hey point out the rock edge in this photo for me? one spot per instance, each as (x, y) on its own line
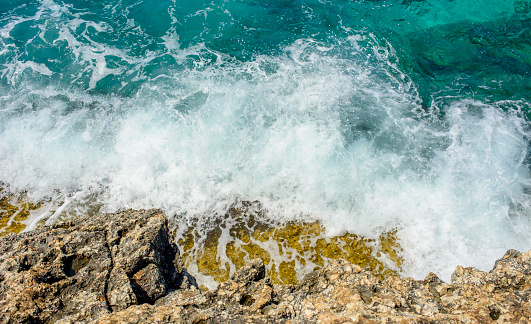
(126, 268)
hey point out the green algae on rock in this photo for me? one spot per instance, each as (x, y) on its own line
(289, 250)
(14, 210)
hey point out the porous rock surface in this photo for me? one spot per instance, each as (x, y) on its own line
(82, 270)
(125, 268)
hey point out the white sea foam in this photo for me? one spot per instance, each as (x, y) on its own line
(312, 133)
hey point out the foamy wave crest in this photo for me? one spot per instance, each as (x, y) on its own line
(319, 132)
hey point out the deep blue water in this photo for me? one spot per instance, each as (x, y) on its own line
(365, 115)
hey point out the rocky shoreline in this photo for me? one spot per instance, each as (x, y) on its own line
(126, 268)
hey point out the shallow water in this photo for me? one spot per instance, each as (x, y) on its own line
(364, 116)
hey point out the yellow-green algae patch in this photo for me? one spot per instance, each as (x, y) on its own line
(14, 210)
(289, 250)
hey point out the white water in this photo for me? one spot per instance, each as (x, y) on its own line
(308, 134)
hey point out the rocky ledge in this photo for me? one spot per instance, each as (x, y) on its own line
(125, 268)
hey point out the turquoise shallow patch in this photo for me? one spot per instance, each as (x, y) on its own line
(449, 48)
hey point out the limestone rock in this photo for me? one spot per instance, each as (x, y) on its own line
(125, 268)
(343, 293)
(87, 268)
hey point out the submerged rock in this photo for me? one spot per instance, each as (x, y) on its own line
(125, 268)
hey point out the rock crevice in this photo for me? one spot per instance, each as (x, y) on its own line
(107, 278)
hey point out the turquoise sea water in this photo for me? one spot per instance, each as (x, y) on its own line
(365, 115)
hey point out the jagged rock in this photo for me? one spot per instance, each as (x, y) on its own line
(344, 293)
(245, 290)
(254, 271)
(87, 268)
(125, 268)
